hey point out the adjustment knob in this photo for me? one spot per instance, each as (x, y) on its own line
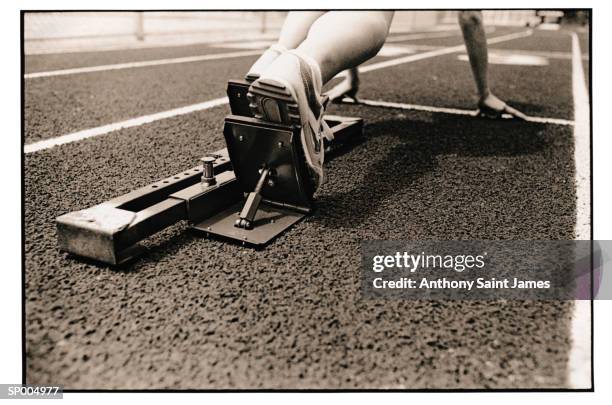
(208, 171)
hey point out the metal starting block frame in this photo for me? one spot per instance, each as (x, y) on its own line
(250, 192)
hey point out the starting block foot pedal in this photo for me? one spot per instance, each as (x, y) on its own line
(270, 168)
(270, 221)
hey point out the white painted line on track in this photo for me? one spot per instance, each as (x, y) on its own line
(391, 38)
(412, 37)
(389, 51)
(515, 59)
(582, 148)
(132, 46)
(418, 47)
(259, 46)
(431, 35)
(105, 129)
(146, 63)
(272, 36)
(579, 367)
(454, 111)
(439, 52)
(134, 122)
(546, 54)
(503, 51)
(245, 44)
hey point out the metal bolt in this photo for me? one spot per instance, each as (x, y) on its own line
(208, 171)
(280, 144)
(241, 138)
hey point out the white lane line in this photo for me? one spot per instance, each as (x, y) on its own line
(265, 43)
(245, 44)
(105, 129)
(582, 147)
(411, 37)
(389, 51)
(162, 43)
(546, 54)
(189, 59)
(439, 52)
(185, 42)
(134, 122)
(146, 63)
(454, 111)
(579, 367)
(418, 47)
(430, 35)
(515, 59)
(503, 51)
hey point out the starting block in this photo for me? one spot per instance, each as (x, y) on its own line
(249, 192)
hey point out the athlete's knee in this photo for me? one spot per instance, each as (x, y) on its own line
(470, 17)
(377, 26)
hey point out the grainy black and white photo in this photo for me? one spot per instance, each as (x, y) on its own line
(247, 200)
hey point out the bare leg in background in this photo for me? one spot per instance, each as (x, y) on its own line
(475, 40)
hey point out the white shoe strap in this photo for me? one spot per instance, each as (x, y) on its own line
(280, 49)
(327, 132)
(319, 124)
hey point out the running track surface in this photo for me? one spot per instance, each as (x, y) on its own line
(202, 314)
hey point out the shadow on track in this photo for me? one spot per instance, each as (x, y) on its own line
(417, 146)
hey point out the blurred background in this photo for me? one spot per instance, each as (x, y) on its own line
(53, 32)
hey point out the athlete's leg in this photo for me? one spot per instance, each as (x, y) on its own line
(373, 30)
(347, 87)
(294, 31)
(340, 40)
(476, 45)
(289, 89)
(475, 39)
(296, 27)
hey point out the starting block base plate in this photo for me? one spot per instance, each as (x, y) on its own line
(270, 221)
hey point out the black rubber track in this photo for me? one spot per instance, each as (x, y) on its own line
(198, 313)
